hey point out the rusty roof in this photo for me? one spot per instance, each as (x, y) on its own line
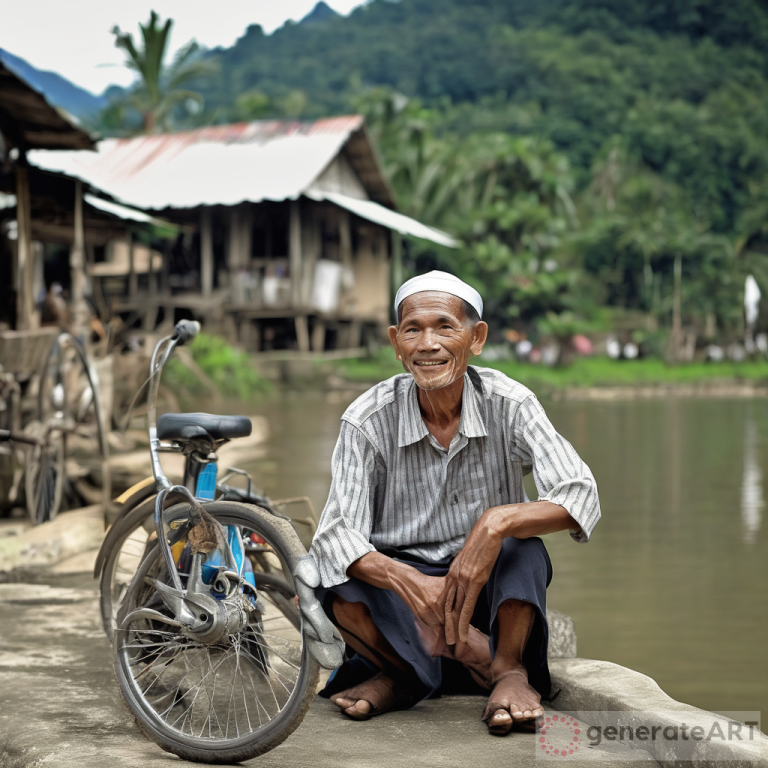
(224, 164)
(28, 121)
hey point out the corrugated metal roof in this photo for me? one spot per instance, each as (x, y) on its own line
(230, 164)
(224, 165)
(378, 214)
(125, 213)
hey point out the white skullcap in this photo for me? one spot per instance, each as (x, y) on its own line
(443, 282)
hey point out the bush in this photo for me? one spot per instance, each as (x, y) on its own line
(231, 371)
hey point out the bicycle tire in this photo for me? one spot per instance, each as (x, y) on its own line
(112, 548)
(289, 549)
(136, 511)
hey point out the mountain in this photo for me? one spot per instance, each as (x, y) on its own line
(682, 85)
(58, 90)
(319, 15)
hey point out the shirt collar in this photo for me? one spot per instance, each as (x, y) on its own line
(411, 426)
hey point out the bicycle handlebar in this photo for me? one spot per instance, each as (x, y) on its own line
(185, 331)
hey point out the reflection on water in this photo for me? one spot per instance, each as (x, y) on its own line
(751, 485)
(675, 580)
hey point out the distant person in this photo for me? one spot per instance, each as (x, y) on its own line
(54, 311)
(429, 554)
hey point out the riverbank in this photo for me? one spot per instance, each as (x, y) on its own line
(599, 377)
(60, 708)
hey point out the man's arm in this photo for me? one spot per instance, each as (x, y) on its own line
(344, 530)
(568, 501)
(472, 567)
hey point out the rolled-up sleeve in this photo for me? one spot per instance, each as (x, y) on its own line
(343, 533)
(560, 475)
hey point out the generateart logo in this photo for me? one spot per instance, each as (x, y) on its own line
(686, 735)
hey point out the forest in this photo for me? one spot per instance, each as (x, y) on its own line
(602, 162)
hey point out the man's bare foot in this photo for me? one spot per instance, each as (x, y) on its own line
(376, 696)
(512, 702)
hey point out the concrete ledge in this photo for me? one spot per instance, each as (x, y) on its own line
(69, 534)
(588, 686)
(562, 636)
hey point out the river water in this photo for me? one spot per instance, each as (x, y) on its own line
(674, 582)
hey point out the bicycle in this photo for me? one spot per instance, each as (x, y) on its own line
(62, 430)
(214, 658)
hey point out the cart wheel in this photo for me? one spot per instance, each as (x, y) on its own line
(45, 474)
(68, 405)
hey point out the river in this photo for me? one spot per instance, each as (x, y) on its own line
(674, 582)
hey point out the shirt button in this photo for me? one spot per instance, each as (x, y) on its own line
(455, 497)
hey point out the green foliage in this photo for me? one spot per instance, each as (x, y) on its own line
(577, 148)
(229, 369)
(584, 372)
(251, 105)
(159, 95)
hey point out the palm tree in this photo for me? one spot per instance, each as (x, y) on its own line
(159, 90)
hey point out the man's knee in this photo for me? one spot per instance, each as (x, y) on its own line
(349, 614)
(525, 556)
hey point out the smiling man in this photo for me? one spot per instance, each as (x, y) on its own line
(428, 551)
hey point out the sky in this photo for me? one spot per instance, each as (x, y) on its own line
(72, 37)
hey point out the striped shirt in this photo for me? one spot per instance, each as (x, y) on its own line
(394, 485)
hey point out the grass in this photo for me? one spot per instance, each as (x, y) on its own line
(584, 372)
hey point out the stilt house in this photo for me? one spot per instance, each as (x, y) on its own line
(287, 228)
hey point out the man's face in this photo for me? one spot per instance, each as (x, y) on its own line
(434, 340)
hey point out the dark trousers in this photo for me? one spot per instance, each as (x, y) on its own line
(522, 572)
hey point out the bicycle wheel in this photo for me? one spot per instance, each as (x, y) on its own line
(44, 474)
(126, 544)
(226, 700)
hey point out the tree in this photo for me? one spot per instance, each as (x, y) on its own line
(159, 93)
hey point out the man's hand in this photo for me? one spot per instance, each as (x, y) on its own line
(424, 595)
(471, 569)
(468, 575)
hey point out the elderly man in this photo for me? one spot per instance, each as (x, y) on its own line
(428, 551)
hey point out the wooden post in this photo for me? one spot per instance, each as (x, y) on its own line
(234, 240)
(80, 312)
(345, 239)
(166, 273)
(26, 317)
(294, 256)
(397, 262)
(302, 333)
(151, 284)
(133, 278)
(318, 336)
(206, 252)
(244, 244)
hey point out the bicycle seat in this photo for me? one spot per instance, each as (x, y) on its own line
(185, 426)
